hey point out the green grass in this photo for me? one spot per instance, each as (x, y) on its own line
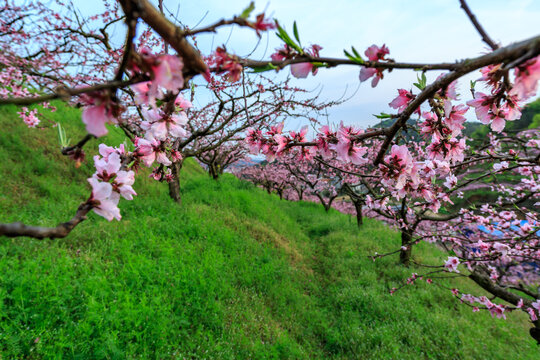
(233, 273)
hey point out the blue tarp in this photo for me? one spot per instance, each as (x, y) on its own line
(500, 233)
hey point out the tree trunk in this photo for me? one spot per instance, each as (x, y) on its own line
(213, 171)
(405, 255)
(359, 216)
(280, 193)
(174, 185)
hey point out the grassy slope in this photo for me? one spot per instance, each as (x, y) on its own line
(232, 273)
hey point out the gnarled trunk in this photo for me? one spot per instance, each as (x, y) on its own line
(174, 185)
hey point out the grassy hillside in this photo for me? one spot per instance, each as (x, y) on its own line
(233, 273)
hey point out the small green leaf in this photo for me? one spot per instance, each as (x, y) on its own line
(383, 116)
(422, 81)
(247, 11)
(356, 58)
(282, 34)
(267, 67)
(295, 32)
(62, 139)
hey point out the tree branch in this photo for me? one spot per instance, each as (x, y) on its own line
(60, 231)
(479, 28)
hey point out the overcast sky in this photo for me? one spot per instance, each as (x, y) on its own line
(414, 31)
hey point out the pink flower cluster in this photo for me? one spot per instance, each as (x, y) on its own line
(29, 116)
(225, 64)
(109, 182)
(452, 264)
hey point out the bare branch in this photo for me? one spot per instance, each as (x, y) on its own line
(477, 25)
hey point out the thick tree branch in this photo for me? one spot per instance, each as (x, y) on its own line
(170, 33)
(60, 231)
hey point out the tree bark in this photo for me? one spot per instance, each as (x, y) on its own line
(213, 171)
(174, 185)
(405, 255)
(359, 216)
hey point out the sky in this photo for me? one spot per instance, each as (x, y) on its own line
(414, 31)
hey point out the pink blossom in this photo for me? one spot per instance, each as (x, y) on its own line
(501, 166)
(95, 118)
(366, 73)
(108, 167)
(402, 100)
(168, 73)
(532, 314)
(254, 140)
(451, 181)
(182, 103)
(498, 311)
(501, 248)
(536, 305)
(301, 70)
(150, 151)
(527, 77)
(455, 117)
(160, 125)
(145, 93)
(284, 53)
(487, 111)
(375, 53)
(227, 64)
(400, 157)
(482, 104)
(281, 141)
(122, 184)
(105, 150)
(452, 264)
(105, 200)
(346, 149)
(262, 24)
(323, 140)
(100, 109)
